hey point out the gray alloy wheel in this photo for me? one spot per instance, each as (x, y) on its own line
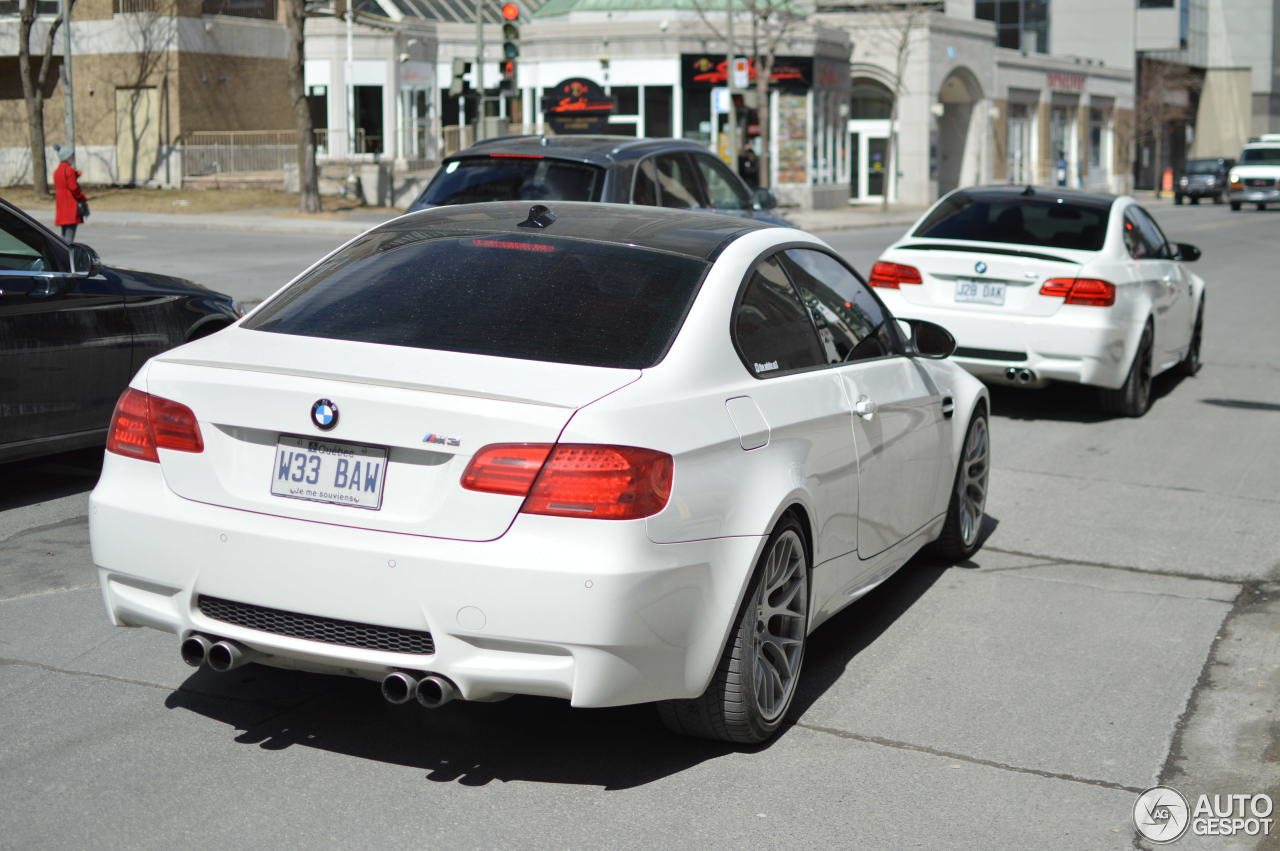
(755, 682)
(1134, 396)
(962, 530)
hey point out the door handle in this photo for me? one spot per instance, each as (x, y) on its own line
(865, 408)
(948, 407)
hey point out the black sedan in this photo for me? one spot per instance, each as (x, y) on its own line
(73, 332)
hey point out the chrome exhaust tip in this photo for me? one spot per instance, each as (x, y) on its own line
(1011, 374)
(194, 649)
(1026, 376)
(435, 691)
(399, 687)
(228, 655)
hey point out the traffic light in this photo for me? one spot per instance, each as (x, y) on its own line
(510, 45)
(458, 84)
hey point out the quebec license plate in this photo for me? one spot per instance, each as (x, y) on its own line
(326, 471)
(980, 292)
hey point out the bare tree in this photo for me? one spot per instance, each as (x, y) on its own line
(34, 90)
(152, 35)
(1157, 104)
(771, 22)
(308, 178)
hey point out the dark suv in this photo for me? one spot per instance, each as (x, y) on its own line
(1205, 177)
(616, 169)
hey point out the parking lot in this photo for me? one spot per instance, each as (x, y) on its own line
(1120, 628)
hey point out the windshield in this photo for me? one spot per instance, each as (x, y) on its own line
(512, 178)
(1025, 220)
(1202, 167)
(1260, 155)
(508, 295)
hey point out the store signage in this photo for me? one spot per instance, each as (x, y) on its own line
(702, 71)
(577, 105)
(1059, 82)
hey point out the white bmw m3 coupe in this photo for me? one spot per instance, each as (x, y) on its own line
(1040, 284)
(610, 454)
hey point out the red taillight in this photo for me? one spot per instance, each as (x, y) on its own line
(1086, 291)
(575, 480)
(508, 468)
(142, 423)
(892, 275)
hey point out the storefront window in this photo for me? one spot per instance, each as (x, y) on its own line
(1097, 125)
(870, 100)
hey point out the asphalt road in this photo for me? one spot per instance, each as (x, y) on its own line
(1121, 627)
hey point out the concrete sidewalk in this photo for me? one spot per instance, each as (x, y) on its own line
(356, 222)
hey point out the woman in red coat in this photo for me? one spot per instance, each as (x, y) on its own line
(67, 194)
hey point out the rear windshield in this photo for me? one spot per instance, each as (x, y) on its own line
(1202, 166)
(516, 296)
(1023, 220)
(1260, 155)
(476, 179)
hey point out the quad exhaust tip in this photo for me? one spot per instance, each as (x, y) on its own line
(195, 649)
(430, 690)
(1020, 375)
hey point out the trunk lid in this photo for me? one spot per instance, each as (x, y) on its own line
(411, 419)
(975, 277)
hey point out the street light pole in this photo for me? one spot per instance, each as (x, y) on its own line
(479, 75)
(732, 149)
(66, 72)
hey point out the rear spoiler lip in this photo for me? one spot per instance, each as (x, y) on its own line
(986, 249)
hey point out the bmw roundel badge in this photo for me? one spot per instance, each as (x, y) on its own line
(324, 414)
(980, 267)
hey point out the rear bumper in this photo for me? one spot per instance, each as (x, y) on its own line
(593, 612)
(1082, 345)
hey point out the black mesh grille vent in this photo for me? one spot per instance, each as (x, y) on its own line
(312, 628)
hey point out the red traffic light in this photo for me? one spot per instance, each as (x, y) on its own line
(510, 11)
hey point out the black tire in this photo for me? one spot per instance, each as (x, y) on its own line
(1195, 199)
(1177, 199)
(962, 532)
(1191, 364)
(1262, 205)
(1235, 206)
(1133, 399)
(747, 700)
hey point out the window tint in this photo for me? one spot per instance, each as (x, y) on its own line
(517, 296)
(771, 326)
(22, 247)
(476, 179)
(678, 182)
(724, 190)
(1143, 235)
(1260, 155)
(851, 323)
(645, 190)
(1018, 219)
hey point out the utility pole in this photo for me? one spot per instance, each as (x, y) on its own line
(349, 85)
(66, 72)
(732, 149)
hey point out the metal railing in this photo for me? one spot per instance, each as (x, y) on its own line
(234, 151)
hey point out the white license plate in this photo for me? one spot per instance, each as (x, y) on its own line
(326, 471)
(980, 292)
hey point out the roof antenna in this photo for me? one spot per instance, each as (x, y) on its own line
(539, 217)
(1028, 192)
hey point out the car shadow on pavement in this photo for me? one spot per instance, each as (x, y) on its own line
(522, 738)
(49, 477)
(1067, 402)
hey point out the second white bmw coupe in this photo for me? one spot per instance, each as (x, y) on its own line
(611, 454)
(1049, 284)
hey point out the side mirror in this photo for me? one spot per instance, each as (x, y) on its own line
(927, 339)
(85, 262)
(1186, 252)
(764, 199)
